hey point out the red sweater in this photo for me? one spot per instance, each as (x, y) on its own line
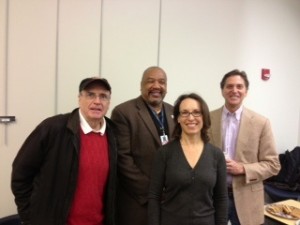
(88, 204)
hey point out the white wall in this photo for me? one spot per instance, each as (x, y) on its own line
(47, 47)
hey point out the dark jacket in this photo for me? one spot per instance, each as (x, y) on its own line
(45, 170)
(138, 141)
(288, 177)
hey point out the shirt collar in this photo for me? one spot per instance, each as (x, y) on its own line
(238, 113)
(86, 128)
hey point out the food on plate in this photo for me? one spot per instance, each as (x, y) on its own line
(295, 213)
(285, 211)
(274, 209)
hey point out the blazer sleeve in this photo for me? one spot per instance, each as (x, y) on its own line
(131, 177)
(267, 163)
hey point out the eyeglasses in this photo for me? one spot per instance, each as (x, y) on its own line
(187, 114)
(92, 96)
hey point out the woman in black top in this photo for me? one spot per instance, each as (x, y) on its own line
(188, 183)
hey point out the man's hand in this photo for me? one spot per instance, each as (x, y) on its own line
(234, 168)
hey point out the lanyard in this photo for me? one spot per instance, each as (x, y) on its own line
(160, 119)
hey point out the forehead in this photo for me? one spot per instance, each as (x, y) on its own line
(189, 103)
(235, 79)
(154, 74)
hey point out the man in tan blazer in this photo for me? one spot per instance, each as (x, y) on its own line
(144, 124)
(249, 147)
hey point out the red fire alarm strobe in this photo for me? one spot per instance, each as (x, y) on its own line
(265, 74)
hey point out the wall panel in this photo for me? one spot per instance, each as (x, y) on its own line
(31, 62)
(30, 83)
(130, 44)
(4, 188)
(199, 42)
(78, 48)
(270, 40)
(3, 27)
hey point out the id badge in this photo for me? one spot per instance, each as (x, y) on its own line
(164, 139)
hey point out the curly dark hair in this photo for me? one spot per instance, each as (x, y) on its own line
(205, 116)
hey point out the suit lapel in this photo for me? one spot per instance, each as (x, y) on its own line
(245, 131)
(216, 127)
(170, 119)
(146, 117)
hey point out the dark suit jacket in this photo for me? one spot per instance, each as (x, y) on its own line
(138, 140)
(256, 149)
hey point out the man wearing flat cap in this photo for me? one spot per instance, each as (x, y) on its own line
(65, 172)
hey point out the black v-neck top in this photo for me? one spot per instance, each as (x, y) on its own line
(191, 196)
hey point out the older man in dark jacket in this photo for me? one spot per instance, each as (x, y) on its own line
(65, 172)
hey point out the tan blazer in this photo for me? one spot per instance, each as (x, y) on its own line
(138, 141)
(255, 148)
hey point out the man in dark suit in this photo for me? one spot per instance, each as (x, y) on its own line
(144, 124)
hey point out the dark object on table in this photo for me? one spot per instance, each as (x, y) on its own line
(10, 220)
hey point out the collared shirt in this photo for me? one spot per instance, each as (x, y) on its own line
(86, 128)
(230, 130)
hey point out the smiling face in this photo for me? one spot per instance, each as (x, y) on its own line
(190, 125)
(94, 103)
(154, 87)
(234, 92)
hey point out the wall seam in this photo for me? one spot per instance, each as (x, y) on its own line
(159, 32)
(56, 58)
(101, 37)
(6, 71)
